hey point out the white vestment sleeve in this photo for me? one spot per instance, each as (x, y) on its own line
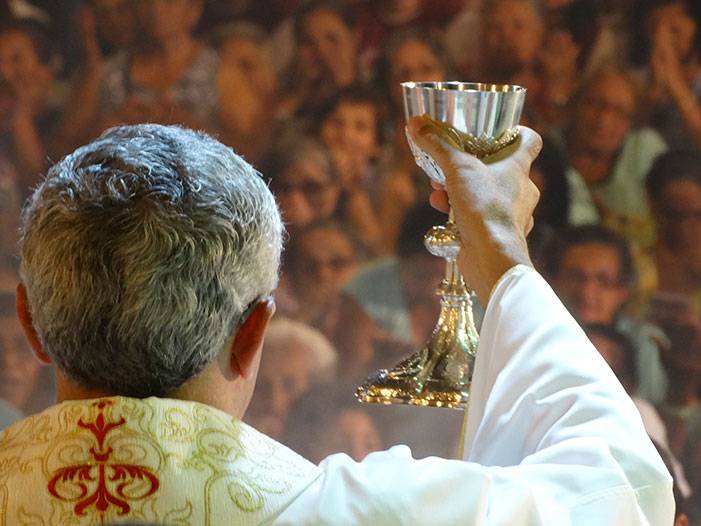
(552, 439)
(544, 399)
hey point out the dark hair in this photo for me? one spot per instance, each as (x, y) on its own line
(37, 34)
(628, 377)
(415, 225)
(353, 94)
(292, 257)
(673, 166)
(554, 206)
(334, 6)
(573, 236)
(383, 69)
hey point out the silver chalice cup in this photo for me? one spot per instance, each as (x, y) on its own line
(481, 119)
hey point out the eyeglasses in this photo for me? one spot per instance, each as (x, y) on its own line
(336, 264)
(601, 105)
(580, 278)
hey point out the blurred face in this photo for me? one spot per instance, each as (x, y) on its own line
(327, 49)
(354, 433)
(284, 376)
(306, 194)
(161, 19)
(679, 220)
(414, 61)
(512, 36)
(352, 127)
(589, 283)
(19, 368)
(253, 63)
(605, 115)
(326, 263)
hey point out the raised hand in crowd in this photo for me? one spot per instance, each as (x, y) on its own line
(25, 82)
(672, 72)
(248, 82)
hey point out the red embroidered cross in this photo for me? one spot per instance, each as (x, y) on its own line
(102, 483)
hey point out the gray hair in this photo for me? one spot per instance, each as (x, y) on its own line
(140, 253)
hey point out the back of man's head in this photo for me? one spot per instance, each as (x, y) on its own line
(140, 253)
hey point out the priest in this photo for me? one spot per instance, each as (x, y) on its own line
(149, 259)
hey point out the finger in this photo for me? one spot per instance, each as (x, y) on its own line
(439, 201)
(529, 147)
(436, 186)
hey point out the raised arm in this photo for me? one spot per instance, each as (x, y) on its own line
(542, 399)
(552, 436)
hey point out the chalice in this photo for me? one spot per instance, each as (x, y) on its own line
(481, 119)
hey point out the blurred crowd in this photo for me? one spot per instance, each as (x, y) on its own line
(308, 92)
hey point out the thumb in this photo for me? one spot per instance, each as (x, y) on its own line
(526, 148)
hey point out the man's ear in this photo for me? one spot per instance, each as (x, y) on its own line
(248, 341)
(25, 319)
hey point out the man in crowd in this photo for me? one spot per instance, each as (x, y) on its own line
(148, 261)
(591, 269)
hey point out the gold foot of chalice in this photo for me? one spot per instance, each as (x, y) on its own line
(482, 119)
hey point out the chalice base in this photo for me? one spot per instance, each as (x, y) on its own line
(439, 374)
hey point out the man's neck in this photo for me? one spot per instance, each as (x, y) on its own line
(67, 389)
(204, 389)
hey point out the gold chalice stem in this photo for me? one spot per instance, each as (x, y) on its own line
(439, 374)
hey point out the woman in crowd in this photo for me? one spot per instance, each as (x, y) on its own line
(27, 112)
(319, 261)
(325, 59)
(349, 127)
(408, 56)
(295, 358)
